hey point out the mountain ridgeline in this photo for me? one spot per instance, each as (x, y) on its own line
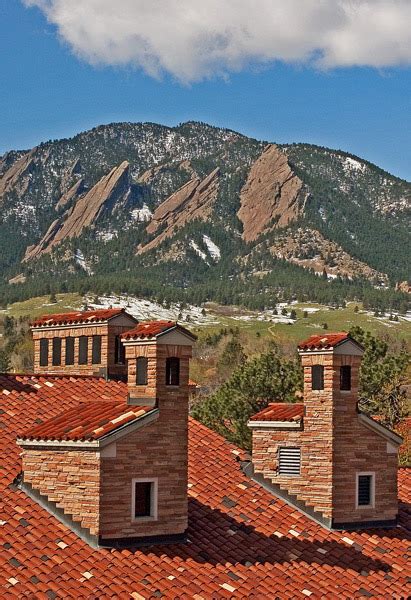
(201, 213)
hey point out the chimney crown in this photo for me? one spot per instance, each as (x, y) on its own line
(326, 342)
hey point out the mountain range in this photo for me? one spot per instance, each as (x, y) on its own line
(197, 207)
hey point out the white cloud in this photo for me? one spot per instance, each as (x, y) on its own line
(197, 39)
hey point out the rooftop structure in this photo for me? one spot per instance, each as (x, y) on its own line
(99, 500)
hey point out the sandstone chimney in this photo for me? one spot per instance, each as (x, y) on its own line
(82, 343)
(332, 461)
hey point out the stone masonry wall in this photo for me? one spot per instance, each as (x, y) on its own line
(107, 366)
(314, 485)
(358, 449)
(158, 450)
(334, 447)
(71, 478)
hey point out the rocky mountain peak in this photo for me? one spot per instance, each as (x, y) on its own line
(273, 196)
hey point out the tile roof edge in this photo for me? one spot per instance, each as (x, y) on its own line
(102, 442)
(60, 376)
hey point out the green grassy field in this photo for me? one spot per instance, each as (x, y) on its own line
(41, 305)
(337, 320)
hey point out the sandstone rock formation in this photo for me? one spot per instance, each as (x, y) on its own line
(194, 200)
(73, 192)
(15, 178)
(272, 197)
(308, 248)
(111, 189)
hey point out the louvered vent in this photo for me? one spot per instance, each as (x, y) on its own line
(289, 461)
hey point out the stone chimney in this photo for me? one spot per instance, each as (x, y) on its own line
(158, 354)
(337, 464)
(82, 343)
(116, 472)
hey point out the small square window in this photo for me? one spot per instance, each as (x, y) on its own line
(144, 499)
(56, 352)
(44, 352)
(173, 371)
(365, 490)
(142, 370)
(96, 350)
(69, 351)
(317, 377)
(345, 378)
(119, 351)
(83, 350)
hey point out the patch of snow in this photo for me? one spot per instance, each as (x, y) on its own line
(350, 164)
(146, 310)
(213, 250)
(322, 213)
(81, 261)
(106, 236)
(198, 251)
(140, 215)
(310, 309)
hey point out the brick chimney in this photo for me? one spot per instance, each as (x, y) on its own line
(116, 472)
(337, 464)
(82, 343)
(158, 354)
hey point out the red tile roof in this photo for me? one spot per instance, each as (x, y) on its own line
(87, 421)
(151, 329)
(81, 316)
(324, 341)
(280, 411)
(243, 541)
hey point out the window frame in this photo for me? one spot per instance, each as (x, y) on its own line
(345, 368)
(80, 360)
(169, 383)
(66, 342)
(119, 351)
(44, 342)
(320, 370)
(140, 360)
(94, 348)
(372, 489)
(56, 348)
(153, 516)
(279, 461)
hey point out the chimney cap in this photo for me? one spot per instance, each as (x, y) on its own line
(326, 341)
(153, 329)
(280, 411)
(80, 316)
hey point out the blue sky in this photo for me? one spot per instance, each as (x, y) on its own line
(51, 88)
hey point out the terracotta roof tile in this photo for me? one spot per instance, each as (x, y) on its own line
(81, 316)
(151, 329)
(322, 342)
(239, 534)
(87, 421)
(280, 411)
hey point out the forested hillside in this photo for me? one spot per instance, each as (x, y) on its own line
(200, 213)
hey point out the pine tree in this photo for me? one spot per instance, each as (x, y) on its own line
(382, 378)
(250, 388)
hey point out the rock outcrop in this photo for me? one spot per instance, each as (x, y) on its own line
(111, 189)
(194, 200)
(15, 178)
(73, 192)
(272, 197)
(308, 248)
